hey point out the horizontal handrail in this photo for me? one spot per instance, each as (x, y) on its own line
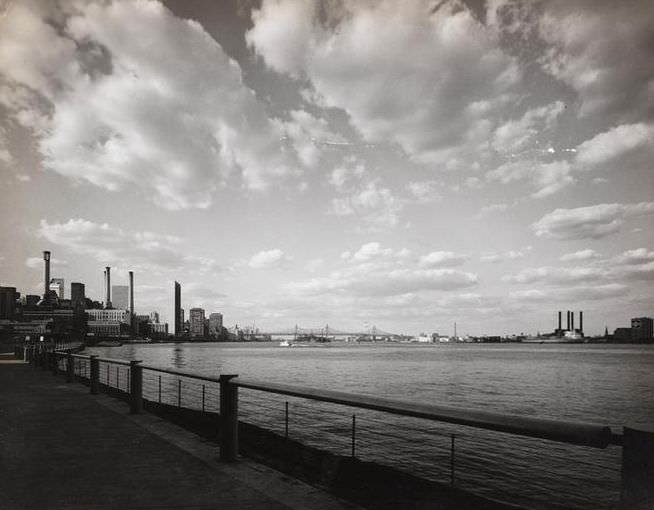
(584, 434)
(183, 373)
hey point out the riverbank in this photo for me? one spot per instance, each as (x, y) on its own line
(63, 448)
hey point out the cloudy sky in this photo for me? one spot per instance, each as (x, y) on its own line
(405, 164)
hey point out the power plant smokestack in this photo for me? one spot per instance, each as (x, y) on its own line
(568, 322)
(107, 298)
(131, 292)
(46, 280)
(560, 319)
(572, 321)
(581, 322)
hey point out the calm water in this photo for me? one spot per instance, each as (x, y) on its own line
(606, 384)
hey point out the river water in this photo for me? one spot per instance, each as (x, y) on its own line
(603, 384)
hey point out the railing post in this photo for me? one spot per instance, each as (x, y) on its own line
(637, 489)
(45, 359)
(228, 419)
(452, 438)
(95, 375)
(136, 387)
(54, 363)
(70, 367)
(354, 427)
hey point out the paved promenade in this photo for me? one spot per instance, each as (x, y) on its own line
(62, 448)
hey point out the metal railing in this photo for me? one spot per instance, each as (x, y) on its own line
(480, 451)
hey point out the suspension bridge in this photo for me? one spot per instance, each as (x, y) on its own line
(326, 331)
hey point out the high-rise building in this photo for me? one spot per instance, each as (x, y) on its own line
(154, 317)
(196, 321)
(120, 297)
(641, 328)
(178, 314)
(215, 324)
(77, 294)
(57, 284)
(7, 303)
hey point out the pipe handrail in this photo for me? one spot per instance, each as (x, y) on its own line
(578, 433)
(183, 373)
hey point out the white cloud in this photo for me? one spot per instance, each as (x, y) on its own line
(126, 95)
(371, 251)
(587, 254)
(602, 50)
(516, 135)
(268, 259)
(355, 58)
(592, 222)
(5, 156)
(490, 257)
(442, 258)
(141, 251)
(637, 256)
(424, 191)
(547, 178)
(308, 136)
(617, 144)
(360, 195)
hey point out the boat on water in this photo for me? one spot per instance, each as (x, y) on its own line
(286, 343)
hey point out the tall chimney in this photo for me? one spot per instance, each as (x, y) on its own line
(131, 293)
(107, 298)
(568, 322)
(46, 280)
(572, 321)
(581, 322)
(560, 320)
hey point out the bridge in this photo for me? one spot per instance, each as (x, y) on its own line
(324, 331)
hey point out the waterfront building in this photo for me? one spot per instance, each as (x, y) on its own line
(32, 300)
(622, 334)
(178, 313)
(641, 328)
(159, 329)
(7, 303)
(120, 297)
(57, 285)
(106, 322)
(77, 295)
(215, 324)
(196, 321)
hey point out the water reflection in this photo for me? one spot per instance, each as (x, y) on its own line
(178, 360)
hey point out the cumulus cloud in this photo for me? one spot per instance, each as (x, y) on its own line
(602, 50)
(487, 210)
(424, 191)
(577, 293)
(547, 178)
(361, 195)
(587, 254)
(515, 135)
(442, 258)
(558, 275)
(374, 270)
(268, 259)
(354, 55)
(617, 146)
(592, 222)
(124, 95)
(144, 251)
(308, 135)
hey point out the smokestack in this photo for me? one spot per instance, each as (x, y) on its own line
(131, 293)
(572, 321)
(107, 298)
(46, 280)
(568, 321)
(560, 313)
(581, 322)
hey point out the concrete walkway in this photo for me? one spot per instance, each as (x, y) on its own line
(62, 448)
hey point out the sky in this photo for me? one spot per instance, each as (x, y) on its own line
(404, 164)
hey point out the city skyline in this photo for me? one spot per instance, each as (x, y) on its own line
(399, 164)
